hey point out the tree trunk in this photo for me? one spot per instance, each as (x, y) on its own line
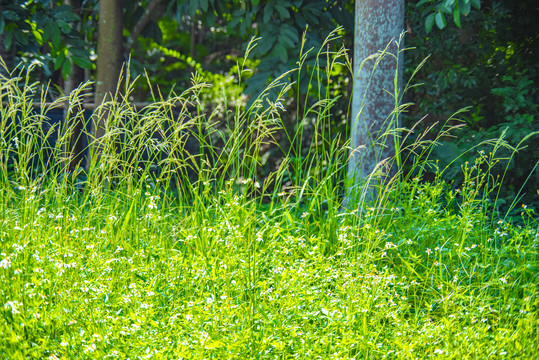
(74, 119)
(153, 10)
(109, 57)
(377, 25)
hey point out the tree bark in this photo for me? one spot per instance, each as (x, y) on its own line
(109, 57)
(153, 10)
(74, 116)
(376, 82)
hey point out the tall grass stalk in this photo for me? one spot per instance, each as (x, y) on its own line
(169, 244)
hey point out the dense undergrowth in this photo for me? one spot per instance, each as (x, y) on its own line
(203, 260)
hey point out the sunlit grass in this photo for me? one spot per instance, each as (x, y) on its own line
(205, 260)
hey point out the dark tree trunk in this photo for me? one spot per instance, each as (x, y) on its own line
(74, 118)
(152, 11)
(109, 48)
(109, 61)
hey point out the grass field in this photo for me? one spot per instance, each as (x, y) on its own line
(119, 263)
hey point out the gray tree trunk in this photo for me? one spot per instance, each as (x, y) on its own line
(378, 23)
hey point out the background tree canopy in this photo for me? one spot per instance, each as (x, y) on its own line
(485, 57)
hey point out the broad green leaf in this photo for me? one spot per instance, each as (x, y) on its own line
(344, 18)
(59, 61)
(36, 33)
(236, 18)
(81, 57)
(456, 16)
(233, 23)
(312, 15)
(256, 83)
(286, 41)
(47, 31)
(70, 16)
(193, 7)
(153, 31)
(465, 8)
(22, 38)
(445, 9)
(56, 38)
(8, 40)
(82, 62)
(238, 13)
(2, 24)
(258, 80)
(290, 32)
(283, 12)
(440, 20)
(210, 19)
(65, 13)
(268, 12)
(264, 46)
(281, 51)
(64, 27)
(10, 15)
(61, 8)
(203, 5)
(79, 52)
(476, 4)
(78, 45)
(429, 22)
(422, 2)
(243, 27)
(300, 20)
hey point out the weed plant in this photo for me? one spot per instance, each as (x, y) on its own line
(203, 260)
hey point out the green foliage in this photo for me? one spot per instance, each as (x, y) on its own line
(52, 35)
(435, 11)
(29, 26)
(226, 265)
(488, 65)
(279, 50)
(468, 65)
